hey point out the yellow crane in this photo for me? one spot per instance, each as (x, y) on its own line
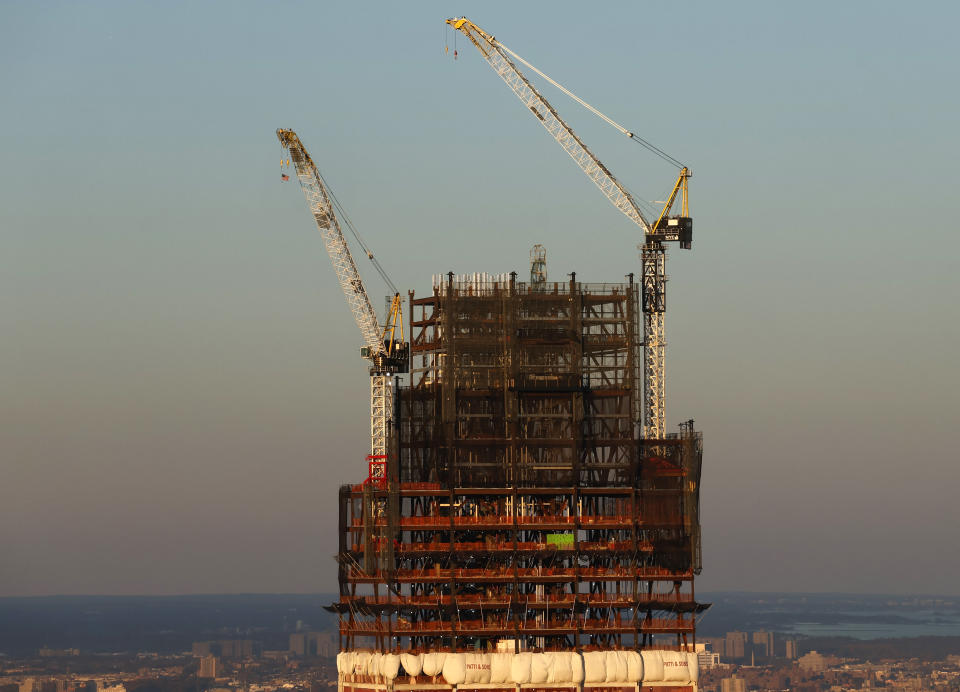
(385, 346)
(666, 228)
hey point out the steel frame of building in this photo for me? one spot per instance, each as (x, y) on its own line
(523, 502)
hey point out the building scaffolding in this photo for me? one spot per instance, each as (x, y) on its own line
(523, 504)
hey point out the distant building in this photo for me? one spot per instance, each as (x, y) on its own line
(733, 684)
(310, 644)
(299, 646)
(201, 649)
(716, 644)
(814, 662)
(239, 648)
(790, 648)
(228, 648)
(735, 646)
(763, 644)
(276, 655)
(706, 658)
(29, 685)
(209, 667)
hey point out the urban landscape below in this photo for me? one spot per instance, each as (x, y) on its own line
(746, 641)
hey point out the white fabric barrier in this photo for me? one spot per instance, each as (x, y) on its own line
(576, 668)
(373, 665)
(500, 667)
(539, 667)
(676, 666)
(390, 666)
(520, 667)
(594, 666)
(412, 664)
(652, 666)
(433, 663)
(555, 668)
(694, 665)
(455, 669)
(478, 668)
(616, 663)
(634, 666)
(559, 669)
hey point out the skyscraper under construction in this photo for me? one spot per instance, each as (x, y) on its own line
(526, 522)
(521, 532)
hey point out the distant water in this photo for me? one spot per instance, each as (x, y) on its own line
(919, 624)
(168, 624)
(832, 615)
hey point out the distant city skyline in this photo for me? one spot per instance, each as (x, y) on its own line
(183, 391)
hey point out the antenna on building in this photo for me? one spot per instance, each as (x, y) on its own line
(538, 265)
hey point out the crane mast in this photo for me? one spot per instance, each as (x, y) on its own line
(666, 228)
(384, 348)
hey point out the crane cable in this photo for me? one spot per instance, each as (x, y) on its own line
(342, 213)
(636, 138)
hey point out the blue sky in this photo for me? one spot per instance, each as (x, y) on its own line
(182, 395)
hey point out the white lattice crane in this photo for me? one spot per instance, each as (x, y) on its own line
(665, 228)
(384, 347)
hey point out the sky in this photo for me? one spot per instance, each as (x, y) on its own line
(181, 389)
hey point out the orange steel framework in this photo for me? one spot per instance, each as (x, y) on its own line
(521, 505)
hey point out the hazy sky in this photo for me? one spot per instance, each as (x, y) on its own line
(181, 391)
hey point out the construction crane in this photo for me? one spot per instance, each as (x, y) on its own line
(666, 228)
(384, 347)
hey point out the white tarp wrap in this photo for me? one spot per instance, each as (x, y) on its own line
(478, 668)
(470, 668)
(500, 667)
(553, 668)
(594, 666)
(486, 668)
(676, 667)
(634, 666)
(520, 668)
(559, 670)
(390, 666)
(652, 666)
(694, 664)
(539, 666)
(412, 664)
(616, 664)
(455, 669)
(433, 663)
(576, 668)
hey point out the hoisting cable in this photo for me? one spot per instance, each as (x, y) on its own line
(342, 213)
(637, 138)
